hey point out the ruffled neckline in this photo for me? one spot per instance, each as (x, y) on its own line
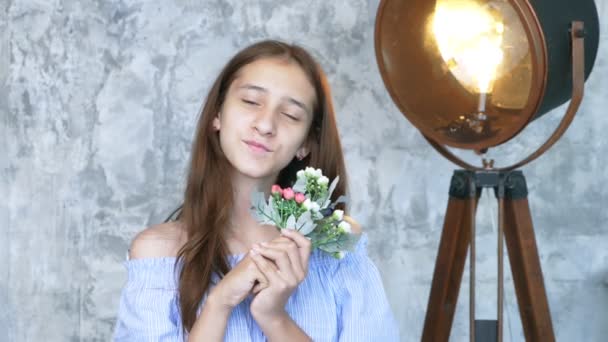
(317, 256)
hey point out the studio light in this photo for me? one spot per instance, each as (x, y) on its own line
(472, 74)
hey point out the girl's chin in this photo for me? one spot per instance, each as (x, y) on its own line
(257, 168)
(255, 173)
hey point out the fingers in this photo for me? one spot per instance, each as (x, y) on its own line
(266, 267)
(281, 259)
(304, 245)
(283, 262)
(289, 247)
(261, 281)
(259, 287)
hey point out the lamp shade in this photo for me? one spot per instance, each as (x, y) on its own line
(472, 74)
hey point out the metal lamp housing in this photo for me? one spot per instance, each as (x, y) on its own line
(536, 74)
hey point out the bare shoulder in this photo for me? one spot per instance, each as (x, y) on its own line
(161, 240)
(354, 225)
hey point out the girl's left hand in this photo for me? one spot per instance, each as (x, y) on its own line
(284, 262)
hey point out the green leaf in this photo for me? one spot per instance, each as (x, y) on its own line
(291, 222)
(332, 187)
(326, 200)
(345, 243)
(349, 241)
(257, 199)
(304, 217)
(341, 199)
(331, 247)
(272, 213)
(305, 224)
(269, 208)
(307, 227)
(300, 185)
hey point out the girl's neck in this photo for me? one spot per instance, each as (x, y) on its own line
(244, 231)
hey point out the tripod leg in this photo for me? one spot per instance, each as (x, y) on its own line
(451, 257)
(527, 273)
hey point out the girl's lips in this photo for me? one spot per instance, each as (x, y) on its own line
(257, 147)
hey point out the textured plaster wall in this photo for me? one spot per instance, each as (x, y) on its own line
(97, 108)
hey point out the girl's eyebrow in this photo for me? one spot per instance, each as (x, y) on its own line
(253, 87)
(264, 90)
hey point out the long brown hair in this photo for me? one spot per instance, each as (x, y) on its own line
(208, 198)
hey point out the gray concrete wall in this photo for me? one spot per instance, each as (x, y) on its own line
(99, 100)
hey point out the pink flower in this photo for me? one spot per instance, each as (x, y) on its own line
(276, 190)
(300, 198)
(288, 193)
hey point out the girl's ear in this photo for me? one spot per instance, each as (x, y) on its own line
(216, 123)
(302, 152)
(306, 147)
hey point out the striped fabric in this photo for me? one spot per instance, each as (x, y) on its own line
(340, 300)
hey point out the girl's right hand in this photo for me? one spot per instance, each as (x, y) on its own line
(238, 283)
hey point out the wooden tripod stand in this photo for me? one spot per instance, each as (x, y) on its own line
(459, 226)
(514, 221)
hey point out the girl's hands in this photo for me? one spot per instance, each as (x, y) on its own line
(237, 284)
(284, 263)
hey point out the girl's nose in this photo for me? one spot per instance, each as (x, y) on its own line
(265, 122)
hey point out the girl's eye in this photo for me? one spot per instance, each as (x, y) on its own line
(291, 117)
(249, 102)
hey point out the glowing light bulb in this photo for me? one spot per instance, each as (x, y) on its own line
(469, 37)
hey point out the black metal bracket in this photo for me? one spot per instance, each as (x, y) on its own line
(506, 184)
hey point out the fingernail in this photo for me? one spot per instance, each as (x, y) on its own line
(264, 243)
(253, 252)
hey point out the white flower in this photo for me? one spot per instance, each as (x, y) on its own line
(310, 205)
(345, 226)
(309, 171)
(323, 180)
(318, 173)
(307, 204)
(312, 172)
(300, 174)
(338, 214)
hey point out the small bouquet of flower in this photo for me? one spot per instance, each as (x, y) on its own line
(307, 208)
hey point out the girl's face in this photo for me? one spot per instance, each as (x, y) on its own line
(265, 118)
